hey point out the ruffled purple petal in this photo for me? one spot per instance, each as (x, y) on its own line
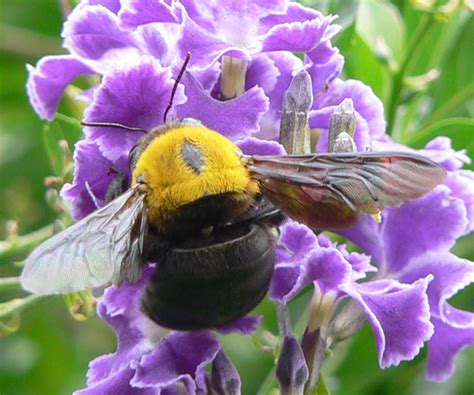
(180, 357)
(134, 94)
(92, 31)
(328, 269)
(287, 281)
(451, 274)
(244, 326)
(255, 146)
(298, 241)
(112, 5)
(446, 343)
(296, 32)
(440, 150)
(395, 310)
(461, 183)
(47, 81)
(303, 261)
(116, 383)
(235, 119)
(205, 47)
(91, 178)
(140, 12)
(120, 308)
(431, 223)
(273, 72)
(324, 64)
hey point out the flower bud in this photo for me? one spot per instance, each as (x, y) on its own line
(341, 128)
(225, 379)
(291, 370)
(233, 77)
(294, 127)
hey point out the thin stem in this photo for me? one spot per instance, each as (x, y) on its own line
(454, 101)
(314, 348)
(284, 324)
(7, 283)
(427, 131)
(16, 306)
(23, 244)
(397, 84)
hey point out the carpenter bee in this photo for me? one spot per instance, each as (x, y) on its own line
(207, 215)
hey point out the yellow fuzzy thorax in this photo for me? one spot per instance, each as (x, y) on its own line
(171, 183)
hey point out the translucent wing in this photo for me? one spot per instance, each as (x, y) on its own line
(105, 246)
(328, 191)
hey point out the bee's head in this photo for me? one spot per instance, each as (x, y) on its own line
(186, 163)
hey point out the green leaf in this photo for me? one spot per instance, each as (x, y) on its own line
(321, 388)
(446, 127)
(380, 25)
(346, 10)
(362, 64)
(62, 128)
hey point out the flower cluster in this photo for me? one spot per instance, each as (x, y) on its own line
(136, 47)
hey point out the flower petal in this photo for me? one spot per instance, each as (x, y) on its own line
(366, 104)
(134, 94)
(91, 178)
(287, 281)
(47, 81)
(298, 240)
(431, 223)
(244, 326)
(92, 31)
(235, 119)
(324, 63)
(440, 150)
(446, 343)
(254, 146)
(273, 72)
(395, 310)
(295, 31)
(461, 183)
(116, 383)
(180, 357)
(134, 13)
(451, 274)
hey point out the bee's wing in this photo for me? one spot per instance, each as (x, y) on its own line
(105, 246)
(328, 191)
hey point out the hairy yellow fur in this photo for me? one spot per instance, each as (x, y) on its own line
(170, 183)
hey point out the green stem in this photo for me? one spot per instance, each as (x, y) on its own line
(426, 132)
(454, 101)
(25, 243)
(7, 283)
(398, 78)
(16, 306)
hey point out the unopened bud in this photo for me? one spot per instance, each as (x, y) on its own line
(341, 127)
(291, 370)
(294, 126)
(225, 379)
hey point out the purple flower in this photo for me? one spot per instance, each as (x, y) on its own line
(137, 47)
(414, 242)
(151, 359)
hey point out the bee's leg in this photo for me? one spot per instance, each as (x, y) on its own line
(117, 186)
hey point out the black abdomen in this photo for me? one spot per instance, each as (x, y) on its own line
(200, 288)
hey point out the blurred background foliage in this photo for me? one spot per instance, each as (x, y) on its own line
(389, 45)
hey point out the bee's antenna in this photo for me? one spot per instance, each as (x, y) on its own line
(114, 125)
(175, 86)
